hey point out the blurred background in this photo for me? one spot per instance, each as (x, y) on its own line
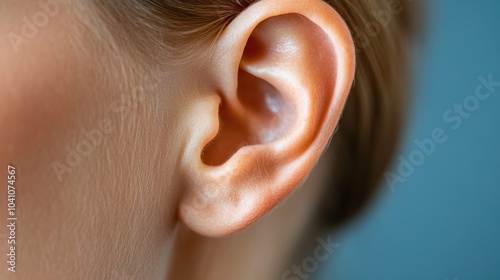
(440, 220)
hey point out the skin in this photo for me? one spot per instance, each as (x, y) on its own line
(131, 175)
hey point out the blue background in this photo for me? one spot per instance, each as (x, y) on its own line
(443, 222)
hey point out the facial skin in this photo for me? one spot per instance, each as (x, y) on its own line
(123, 171)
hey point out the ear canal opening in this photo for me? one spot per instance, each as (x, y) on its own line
(233, 134)
(262, 116)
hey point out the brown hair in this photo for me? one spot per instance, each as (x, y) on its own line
(369, 130)
(374, 114)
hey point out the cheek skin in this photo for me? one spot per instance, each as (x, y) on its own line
(39, 92)
(49, 94)
(41, 103)
(35, 109)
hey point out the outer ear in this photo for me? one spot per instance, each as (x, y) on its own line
(277, 84)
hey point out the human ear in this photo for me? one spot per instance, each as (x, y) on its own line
(276, 84)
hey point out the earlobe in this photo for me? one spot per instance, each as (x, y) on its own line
(282, 73)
